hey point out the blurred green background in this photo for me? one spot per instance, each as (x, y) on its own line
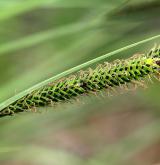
(41, 38)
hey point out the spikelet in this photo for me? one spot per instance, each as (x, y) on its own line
(109, 76)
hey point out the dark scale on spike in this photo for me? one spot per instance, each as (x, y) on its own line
(126, 68)
(158, 62)
(131, 67)
(104, 76)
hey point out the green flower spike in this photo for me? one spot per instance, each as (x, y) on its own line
(120, 73)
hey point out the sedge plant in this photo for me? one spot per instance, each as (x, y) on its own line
(109, 76)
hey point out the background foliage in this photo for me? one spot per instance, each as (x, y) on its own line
(41, 38)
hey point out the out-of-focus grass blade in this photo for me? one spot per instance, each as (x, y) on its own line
(14, 8)
(87, 3)
(11, 9)
(48, 156)
(90, 21)
(40, 37)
